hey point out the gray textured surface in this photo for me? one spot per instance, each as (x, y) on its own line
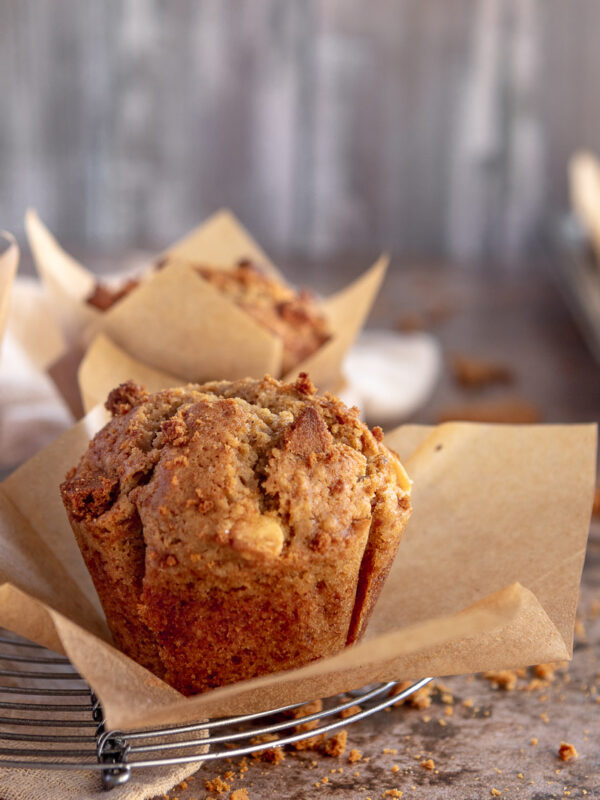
(329, 126)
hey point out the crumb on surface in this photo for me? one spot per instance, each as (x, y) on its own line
(314, 707)
(420, 699)
(428, 764)
(495, 793)
(476, 373)
(272, 755)
(513, 411)
(354, 756)
(348, 712)
(392, 793)
(336, 744)
(545, 671)
(502, 679)
(239, 794)
(567, 751)
(217, 785)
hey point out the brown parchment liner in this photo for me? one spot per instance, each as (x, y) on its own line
(176, 322)
(486, 578)
(584, 187)
(9, 261)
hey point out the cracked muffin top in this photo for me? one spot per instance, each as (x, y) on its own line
(259, 468)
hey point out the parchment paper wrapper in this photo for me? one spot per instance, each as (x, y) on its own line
(9, 261)
(486, 578)
(178, 323)
(584, 185)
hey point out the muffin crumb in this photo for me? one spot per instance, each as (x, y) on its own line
(567, 751)
(217, 785)
(336, 744)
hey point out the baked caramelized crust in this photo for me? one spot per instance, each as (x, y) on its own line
(235, 528)
(292, 316)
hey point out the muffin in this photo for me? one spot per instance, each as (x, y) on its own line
(234, 529)
(292, 316)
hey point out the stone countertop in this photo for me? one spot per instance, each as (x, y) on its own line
(480, 738)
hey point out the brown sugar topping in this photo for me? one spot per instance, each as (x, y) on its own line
(304, 385)
(125, 397)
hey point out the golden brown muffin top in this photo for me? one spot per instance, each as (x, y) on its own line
(228, 471)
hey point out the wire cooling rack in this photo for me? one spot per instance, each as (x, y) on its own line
(51, 719)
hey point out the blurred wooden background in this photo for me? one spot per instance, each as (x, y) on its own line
(438, 129)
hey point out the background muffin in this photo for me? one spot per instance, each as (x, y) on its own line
(292, 316)
(235, 529)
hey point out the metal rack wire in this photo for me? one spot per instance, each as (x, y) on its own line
(40, 691)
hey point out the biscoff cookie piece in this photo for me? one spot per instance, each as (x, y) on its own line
(234, 529)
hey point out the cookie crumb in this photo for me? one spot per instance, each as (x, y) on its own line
(354, 756)
(513, 411)
(217, 785)
(476, 373)
(429, 764)
(239, 794)
(348, 712)
(502, 679)
(545, 671)
(495, 793)
(272, 755)
(336, 744)
(567, 751)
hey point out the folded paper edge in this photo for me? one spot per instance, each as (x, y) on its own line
(509, 603)
(9, 264)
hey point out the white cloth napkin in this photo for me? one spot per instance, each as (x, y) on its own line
(391, 375)
(32, 412)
